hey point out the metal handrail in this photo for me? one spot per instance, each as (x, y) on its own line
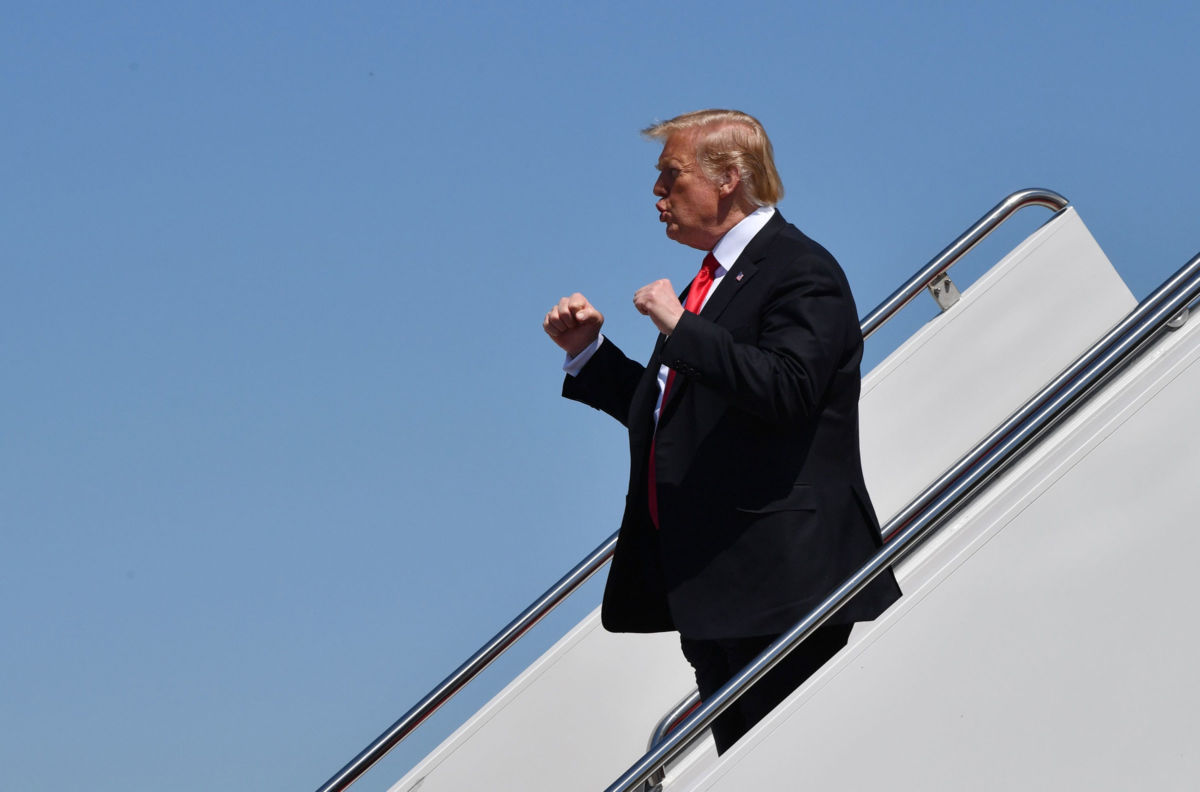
(669, 722)
(500, 642)
(571, 581)
(666, 724)
(930, 510)
(956, 250)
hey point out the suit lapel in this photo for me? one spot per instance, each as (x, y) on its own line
(735, 277)
(743, 269)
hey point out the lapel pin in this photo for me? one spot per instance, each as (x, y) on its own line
(738, 278)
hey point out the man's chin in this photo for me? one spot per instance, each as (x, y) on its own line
(674, 235)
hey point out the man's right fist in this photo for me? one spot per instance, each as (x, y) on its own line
(573, 324)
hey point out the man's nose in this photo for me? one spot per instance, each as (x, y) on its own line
(659, 188)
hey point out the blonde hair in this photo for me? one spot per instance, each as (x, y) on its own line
(729, 138)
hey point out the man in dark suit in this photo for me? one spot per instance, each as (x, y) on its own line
(746, 502)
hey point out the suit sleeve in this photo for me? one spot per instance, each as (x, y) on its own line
(607, 382)
(807, 329)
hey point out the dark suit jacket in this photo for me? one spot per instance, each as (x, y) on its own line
(762, 506)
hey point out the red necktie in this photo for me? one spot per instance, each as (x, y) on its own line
(695, 298)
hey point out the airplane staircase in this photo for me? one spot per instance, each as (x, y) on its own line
(945, 402)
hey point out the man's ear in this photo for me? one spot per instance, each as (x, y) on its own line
(731, 180)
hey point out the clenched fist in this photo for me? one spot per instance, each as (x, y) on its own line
(658, 301)
(573, 323)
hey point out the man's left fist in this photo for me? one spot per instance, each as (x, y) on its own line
(658, 301)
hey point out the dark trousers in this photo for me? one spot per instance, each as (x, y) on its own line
(717, 661)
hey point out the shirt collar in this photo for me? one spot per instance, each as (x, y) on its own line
(730, 246)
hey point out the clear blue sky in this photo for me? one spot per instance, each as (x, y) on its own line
(281, 440)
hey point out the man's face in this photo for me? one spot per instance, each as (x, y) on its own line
(687, 200)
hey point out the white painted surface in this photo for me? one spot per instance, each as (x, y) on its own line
(1050, 644)
(957, 378)
(585, 709)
